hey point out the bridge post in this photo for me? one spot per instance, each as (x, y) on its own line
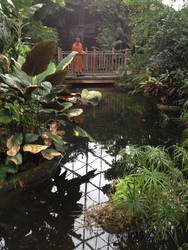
(59, 54)
(94, 62)
(113, 52)
(126, 56)
(86, 60)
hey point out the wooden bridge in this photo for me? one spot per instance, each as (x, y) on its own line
(98, 66)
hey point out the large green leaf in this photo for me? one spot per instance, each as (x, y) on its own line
(38, 59)
(13, 82)
(43, 91)
(17, 159)
(50, 70)
(57, 77)
(83, 133)
(3, 173)
(74, 112)
(20, 61)
(4, 88)
(60, 2)
(46, 87)
(24, 79)
(5, 116)
(50, 153)
(66, 61)
(49, 97)
(34, 148)
(13, 144)
(14, 109)
(17, 139)
(56, 138)
(30, 138)
(11, 169)
(93, 96)
(67, 105)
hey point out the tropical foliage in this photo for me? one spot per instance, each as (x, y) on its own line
(151, 196)
(114, 31)
(32, 112)
(19, 28)
(157, 46)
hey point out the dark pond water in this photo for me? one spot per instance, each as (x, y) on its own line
(51, 216)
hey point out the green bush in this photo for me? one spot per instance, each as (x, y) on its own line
(37, 33)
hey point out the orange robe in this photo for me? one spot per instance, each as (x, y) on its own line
(78, 62)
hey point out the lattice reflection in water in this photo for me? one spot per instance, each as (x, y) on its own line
(91, 193)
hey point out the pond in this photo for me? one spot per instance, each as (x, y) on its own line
(51, 215)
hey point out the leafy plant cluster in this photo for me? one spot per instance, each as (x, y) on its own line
(114, 30)
(33, 114)
(158, 42)
(19, 29)
(151, 197)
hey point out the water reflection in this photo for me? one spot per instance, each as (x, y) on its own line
(52, 216)
(92, 193)
(120, 117)
(40, 218)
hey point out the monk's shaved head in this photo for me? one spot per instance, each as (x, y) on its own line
(77, 39)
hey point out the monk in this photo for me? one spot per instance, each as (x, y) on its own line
(78, 62)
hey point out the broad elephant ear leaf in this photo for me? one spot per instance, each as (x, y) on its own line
(50, 70)
(24, 79)
(34, 148)
(5, 116)
(30, 138)
(13, 82)
(66, 61)
(66, 105)
(74, 112)
(49, 154)
(57, 77)
(17, 159)
(13, 144)
(56, 138)
(38, 59)
(3, 173)
(81, 132)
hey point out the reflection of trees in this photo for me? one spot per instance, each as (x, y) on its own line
(138, 241)
(42, 218)
(120, 118)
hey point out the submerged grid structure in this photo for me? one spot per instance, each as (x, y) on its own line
(92, 193)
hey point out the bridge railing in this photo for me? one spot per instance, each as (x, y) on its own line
(95, 62)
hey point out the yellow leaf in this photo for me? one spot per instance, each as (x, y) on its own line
(9, 142)
(13, 150)
(76, 133)
(33, 148)
(50, 155)
(14, 160)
